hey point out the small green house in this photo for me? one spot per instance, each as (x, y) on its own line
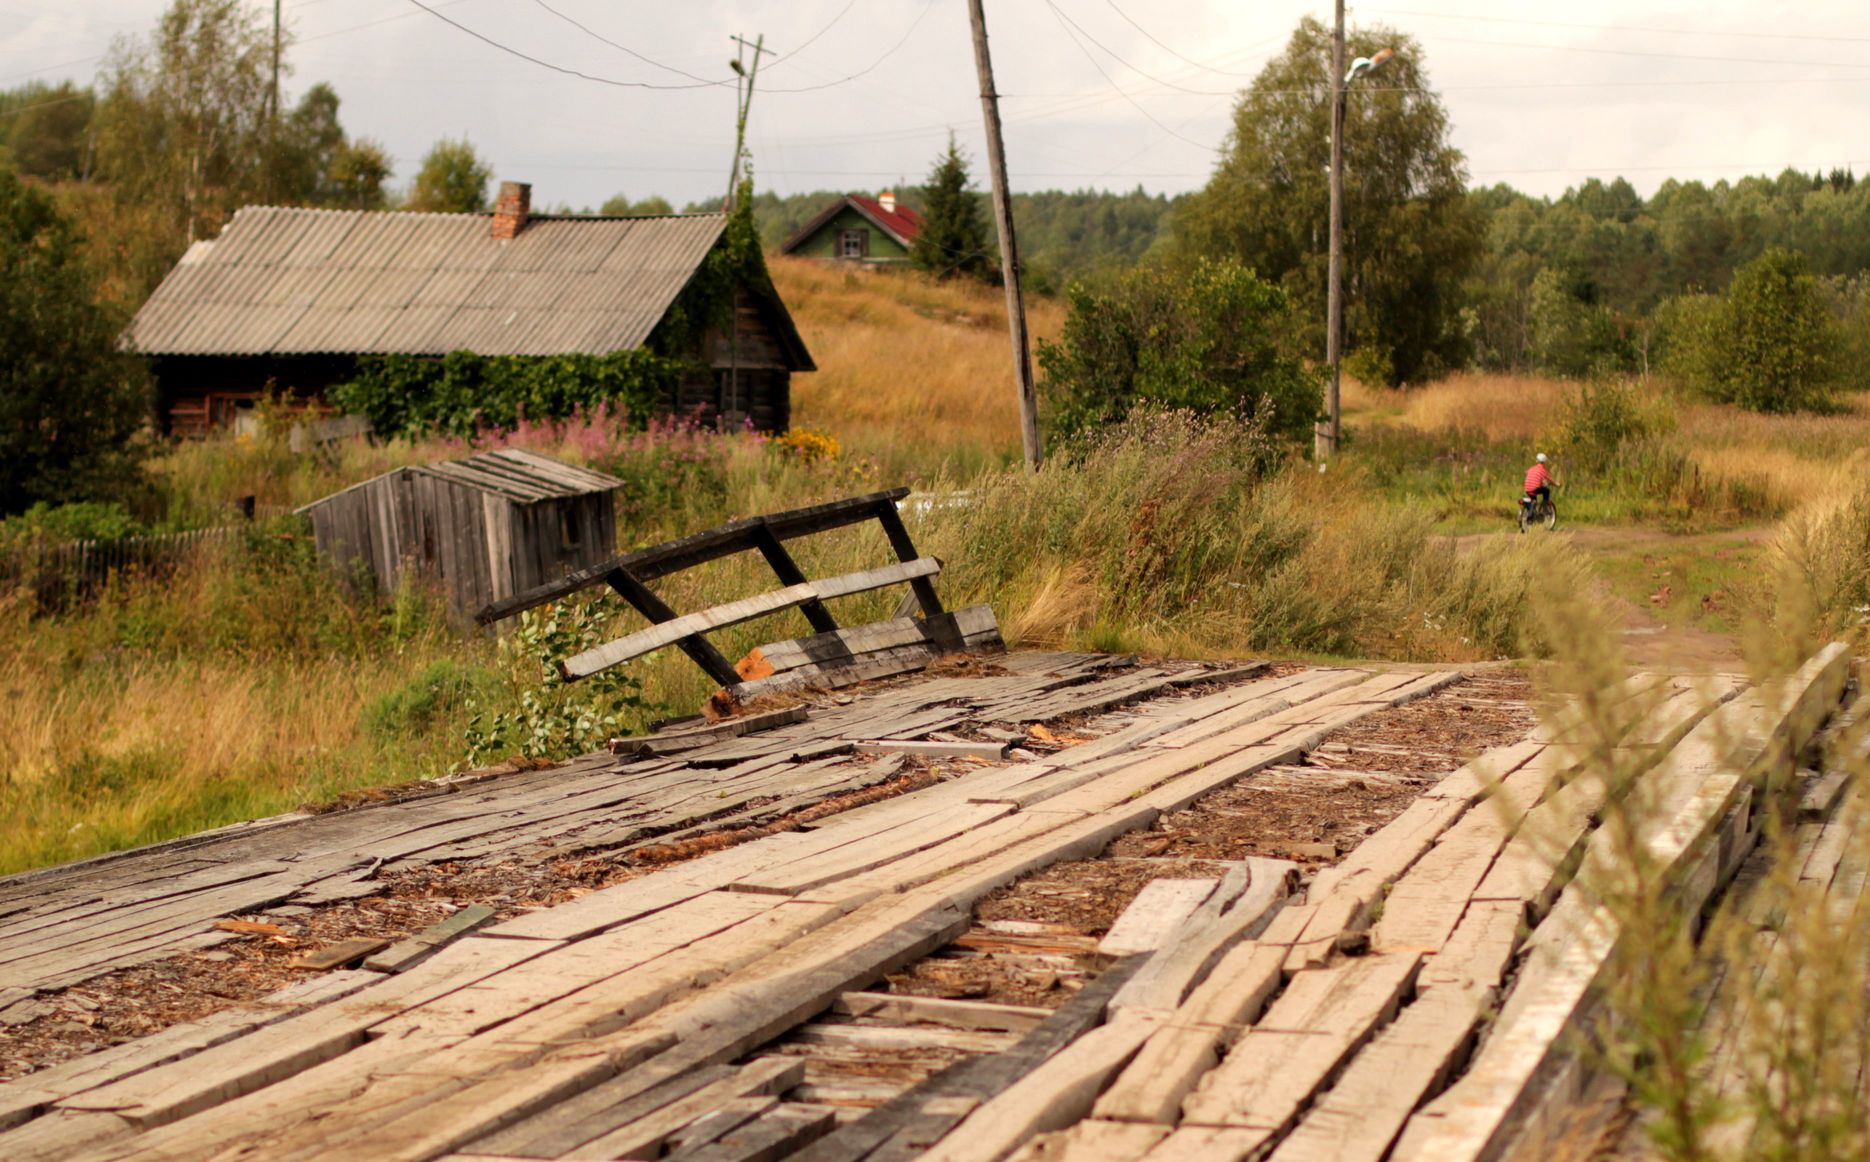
(876, 231)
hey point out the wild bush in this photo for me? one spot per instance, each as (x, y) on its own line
(462, 393)
(72, 402)
(1606, 416)
(1573, 338)
(78, 521)
(432, 696)
(1769, 343)
(539, 714)
(1212, 338)
(1822, 554)
(1169, 531)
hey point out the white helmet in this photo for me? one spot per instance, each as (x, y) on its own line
(1540, 457)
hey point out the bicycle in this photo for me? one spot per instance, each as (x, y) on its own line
(1537, 510)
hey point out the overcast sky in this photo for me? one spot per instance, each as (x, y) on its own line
(1099, 93)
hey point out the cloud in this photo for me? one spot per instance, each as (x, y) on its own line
(1539, 97)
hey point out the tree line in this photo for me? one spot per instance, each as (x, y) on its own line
(104, 187)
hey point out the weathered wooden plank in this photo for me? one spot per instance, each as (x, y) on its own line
(678, 741)
(644, 600)
(1427, 902)
(354, 950)
(792, 980)
(597, 1111)
(33, 1095)
(1050, 1097)
(1219, 924)
(1324, 1016)
(907, 1125)
(1345, 894)
(877, 664)
(991, 751)
(1175, 1058)
(208, 1078)
(1699, 785)
(1094, 1142)
(889, 1038)
(624, 902)
(1366, 1107)
(644, 1137)
(699, 548)
(909, 1009)
(734, 612)
(1155, 915)
(842, 645)
(771, 1136)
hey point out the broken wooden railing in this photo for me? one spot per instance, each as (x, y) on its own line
(833, 655)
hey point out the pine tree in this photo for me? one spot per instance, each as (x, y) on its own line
(953, 238)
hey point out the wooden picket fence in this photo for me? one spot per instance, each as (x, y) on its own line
(59, 573)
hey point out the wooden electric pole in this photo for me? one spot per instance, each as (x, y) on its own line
(274, 111)
(1009, 248)
(743, 90)
(1325, 442)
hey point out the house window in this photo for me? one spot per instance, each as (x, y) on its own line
(570, 535)
(853, 244)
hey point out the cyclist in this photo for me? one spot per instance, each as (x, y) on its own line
(1539, 482)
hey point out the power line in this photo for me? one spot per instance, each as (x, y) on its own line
(813, 38)
(626, 49)
(1070, 35)
(1626, 27)
(873, 66)
(1060, 14)
(78, 96)
(1178, 56)
(545, 64)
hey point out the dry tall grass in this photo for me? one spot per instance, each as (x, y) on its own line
(1788, 460)
(907, 362)
(1497, 407)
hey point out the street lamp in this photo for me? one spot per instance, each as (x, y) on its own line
(1325, 435)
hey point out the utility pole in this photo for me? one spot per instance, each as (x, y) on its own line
(1009, 248)
(1325, 437)
(274, 110)
(743, 97)
(743, 94)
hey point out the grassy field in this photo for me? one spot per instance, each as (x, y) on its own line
(1464, 444)
(251, 682)
(915, 373)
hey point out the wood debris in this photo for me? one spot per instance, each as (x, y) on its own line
(1095, 953)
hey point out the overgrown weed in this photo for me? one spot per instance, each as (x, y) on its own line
(1184, 540)
(1741, 1026)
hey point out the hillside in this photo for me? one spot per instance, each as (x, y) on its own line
(907, 364)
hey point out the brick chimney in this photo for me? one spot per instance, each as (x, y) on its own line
(887, 199)
(511, 208)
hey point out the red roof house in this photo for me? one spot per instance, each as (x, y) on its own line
(856, 228)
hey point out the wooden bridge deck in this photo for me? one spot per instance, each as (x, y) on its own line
(1049, 905)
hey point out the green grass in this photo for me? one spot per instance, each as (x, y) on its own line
(1473, 484)
(1708, 583)
(254, 681)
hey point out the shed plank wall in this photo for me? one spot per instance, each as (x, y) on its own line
(480, 547)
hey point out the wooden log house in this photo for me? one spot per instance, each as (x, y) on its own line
(287, 300)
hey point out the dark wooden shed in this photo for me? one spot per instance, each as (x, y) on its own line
(487, 527)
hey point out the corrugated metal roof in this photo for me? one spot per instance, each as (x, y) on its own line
(513, 473)
(352, 282)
